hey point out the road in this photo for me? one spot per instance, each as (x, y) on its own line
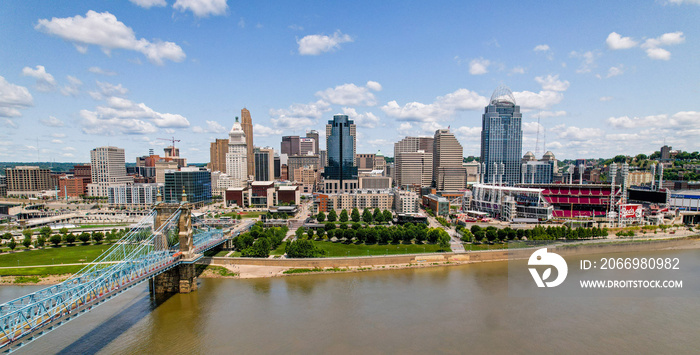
(455, 241)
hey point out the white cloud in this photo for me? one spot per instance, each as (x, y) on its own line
(605, 98)
(373, 85)
(405, 128)
(295, 27)
(105, 31)
(121, 115)
(541, 48)
(241, 23)
(202, 8)
(299, 115)
(212, 127)
(58, 135)
(365, 120)
(577, 134)
(468, 133)
(588, 60)
(678, 2)
(552, 82)
(52, 122)
(531, 128)
(683, 121)
(44, 81)
(108, 89)
(147, 4)
(73, 86)
(652, 45)
(615, 41)
(517, 70)
(264, 131)
(351, 94)
(317, 44)
(548, 114)
(540, 100)
(56, 141)
(479, 66)
(98, 70)
(442, 108)
(13, 98)
(615, 71)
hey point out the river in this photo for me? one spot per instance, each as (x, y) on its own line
(451, 310)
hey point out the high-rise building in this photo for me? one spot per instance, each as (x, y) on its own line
(314, 134)
(217, 155)
(365, 162)
(277, 167)
(247, 124)
(298, 161)
(416, 168)
(290, 146)
(340, 175)
(307, 146)
(502, 138)
(237, 157)
(448, 172)
(108, 168)
(666, 152)
(417, 173)
(264, 164)
(193, 181)
(27, 180)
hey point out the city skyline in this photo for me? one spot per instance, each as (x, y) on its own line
(186, 71)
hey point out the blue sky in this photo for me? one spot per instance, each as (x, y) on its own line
(604, 77)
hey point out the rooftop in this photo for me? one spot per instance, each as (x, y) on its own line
(502, 94)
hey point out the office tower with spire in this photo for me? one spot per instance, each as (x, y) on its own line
(501, 138)
(237, 157)
(340, 175)
(247, 125)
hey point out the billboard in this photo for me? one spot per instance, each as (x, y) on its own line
(630, 211)
(647, 196)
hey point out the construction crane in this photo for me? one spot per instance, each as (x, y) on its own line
(171, 139)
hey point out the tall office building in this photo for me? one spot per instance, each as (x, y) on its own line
(247, 125)
(27, 180)
(502, 138)
(264, 164)
(217, 155)
(108, 168)
(417, 168)
(307, 146)
(237, 156)
(193, 181)
(414, 145)
(314, 134)
(448, 172)
(341, 172)
(290, 145)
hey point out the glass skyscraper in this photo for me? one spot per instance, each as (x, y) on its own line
(340, 146)
(501, 138)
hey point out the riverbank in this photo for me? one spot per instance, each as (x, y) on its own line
(260, 268)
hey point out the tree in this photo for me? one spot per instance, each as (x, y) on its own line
(40, 241)
(367, 216)
(12, 244)
(475, 229)
(27, 233)
(260, 249)
(299, 232)
(491, 234)
(370, 236)
(7, 235)
(444, 239)
(70, 238)
(355, 215)
(421, 234)
(433, 235)
(388, 216)
(377, 215)
(303, 249)
(344, 216)
(27, 242)
(63, 230)
(356, 226)
(320, 217)
(55, 239)
(97, 237)
(321, 233)
(332, 216)
(84, 237)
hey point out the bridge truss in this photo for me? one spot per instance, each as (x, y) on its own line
(140, 255)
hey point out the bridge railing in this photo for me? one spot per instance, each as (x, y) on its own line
(134, 256)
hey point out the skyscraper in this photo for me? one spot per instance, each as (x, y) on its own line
(314, 134)
(107, 168)
(247, 125)
(448, 172)
(237, 156)
(264, 164)
(423, 171)
(290, 145)
(502, 138)
(341, 173)
(217, 155)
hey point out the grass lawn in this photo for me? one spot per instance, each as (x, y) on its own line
(41, 271)
(510, 245)
(52, 256)
(251, 214)
(100, 226)
(279, 250)
(342, 249)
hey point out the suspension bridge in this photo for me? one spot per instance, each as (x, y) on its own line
(162, 248)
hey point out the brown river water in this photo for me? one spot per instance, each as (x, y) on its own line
(451, 310)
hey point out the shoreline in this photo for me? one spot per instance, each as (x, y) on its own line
(250, 268)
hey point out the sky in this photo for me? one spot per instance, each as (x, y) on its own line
(602, 77)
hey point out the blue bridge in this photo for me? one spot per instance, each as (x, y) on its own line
(162, 248)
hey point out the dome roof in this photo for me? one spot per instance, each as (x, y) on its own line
(502, 94)
(379, 153)
(549, 155)
(529, 154)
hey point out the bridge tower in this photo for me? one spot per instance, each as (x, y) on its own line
(182, 278)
